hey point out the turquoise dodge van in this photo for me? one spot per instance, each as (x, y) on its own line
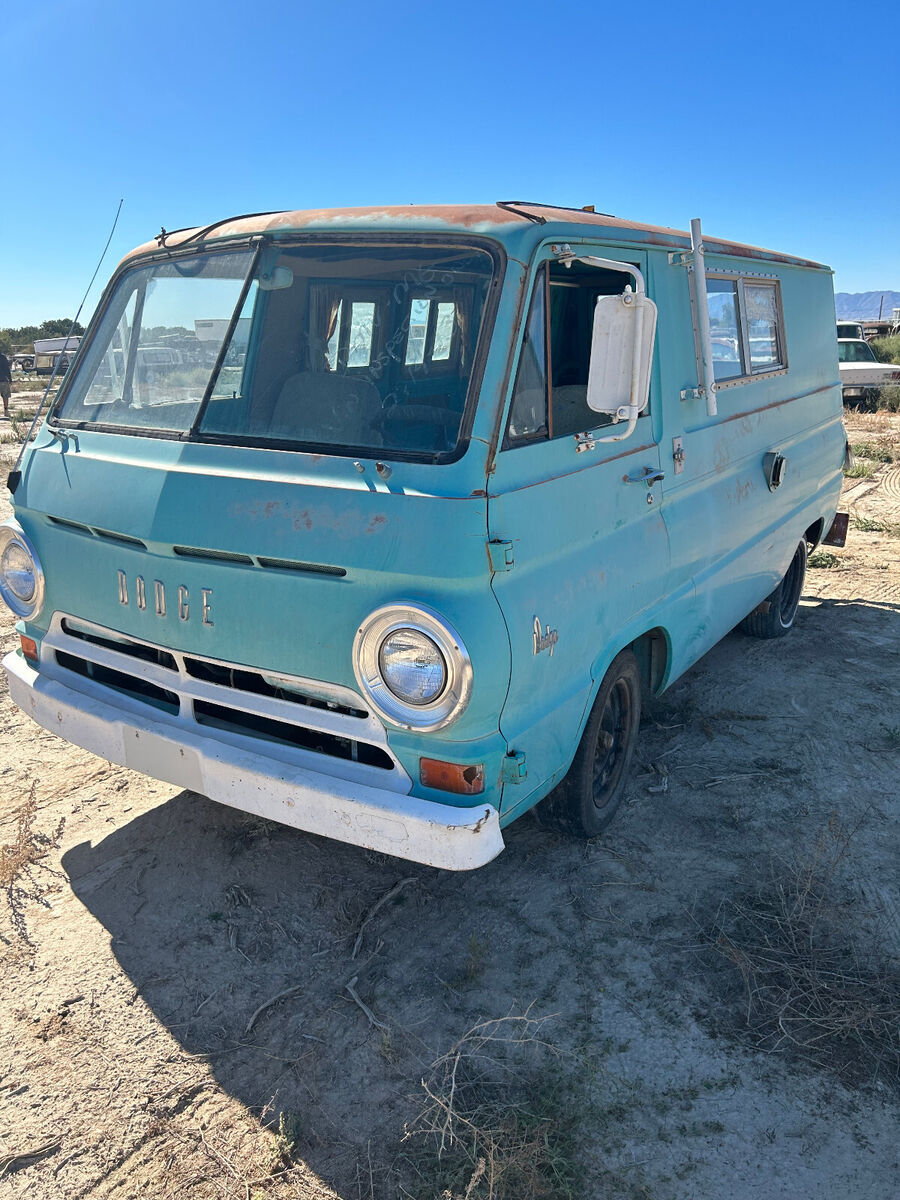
(377, 522)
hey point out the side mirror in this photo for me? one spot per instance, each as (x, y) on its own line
(621, 355)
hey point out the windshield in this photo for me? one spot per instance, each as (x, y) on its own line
(351, 349)
(855, 352)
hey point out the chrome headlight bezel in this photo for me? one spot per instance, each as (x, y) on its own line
(453, 698)
(12, 532)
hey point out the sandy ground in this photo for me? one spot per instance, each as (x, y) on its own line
(137, 950)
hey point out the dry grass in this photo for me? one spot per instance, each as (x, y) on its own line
(812, 989)
(25, 876)
(496, 1122)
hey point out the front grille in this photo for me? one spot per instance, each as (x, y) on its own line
(319, 742)
(139, 650)
(117, 681)
(256, 683)
(319, 723)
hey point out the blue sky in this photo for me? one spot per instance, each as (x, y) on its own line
(774, 123)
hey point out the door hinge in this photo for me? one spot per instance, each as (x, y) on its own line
(501, 556)
(514, 769)
(678, 455)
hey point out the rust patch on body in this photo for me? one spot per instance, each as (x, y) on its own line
(479, 824)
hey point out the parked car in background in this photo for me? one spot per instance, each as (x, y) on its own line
(861, 372)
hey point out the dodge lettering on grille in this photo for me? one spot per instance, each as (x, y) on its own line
(183, 598)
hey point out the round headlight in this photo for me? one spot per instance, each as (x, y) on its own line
(17, 570)
(412, 667)
(21, 577)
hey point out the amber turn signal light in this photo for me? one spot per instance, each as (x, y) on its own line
(29, 648)
(451, 777)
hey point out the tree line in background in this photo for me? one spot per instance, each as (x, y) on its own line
(23, 338)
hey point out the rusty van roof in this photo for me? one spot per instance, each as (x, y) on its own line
(492, 220)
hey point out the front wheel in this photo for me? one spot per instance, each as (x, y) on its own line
(775, 616)
(588, 798)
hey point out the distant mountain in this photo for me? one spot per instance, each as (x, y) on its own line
(864, 305)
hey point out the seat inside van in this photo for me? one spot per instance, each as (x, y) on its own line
(324, 405)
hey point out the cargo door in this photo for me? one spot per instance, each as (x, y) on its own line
(578, 542)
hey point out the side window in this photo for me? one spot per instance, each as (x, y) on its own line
(762, 326)
(528, 412)
(724, 328)
(745, 326)
(557, 344)
(573, 295)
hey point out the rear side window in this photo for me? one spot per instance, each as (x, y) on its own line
(746, 326)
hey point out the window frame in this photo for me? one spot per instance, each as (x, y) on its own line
(344, 238)
(540, 280)
(542, 269)
(754, 279)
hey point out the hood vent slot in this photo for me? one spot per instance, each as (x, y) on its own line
(73, 525)
(216, 555)
(123, 539)
(287, 564)
(109, 535)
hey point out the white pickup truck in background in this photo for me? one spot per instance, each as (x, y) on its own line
(861, 372)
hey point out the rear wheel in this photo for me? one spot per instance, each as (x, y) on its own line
(588, 798)
(775, 616)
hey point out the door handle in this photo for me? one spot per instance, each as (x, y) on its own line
(648, 475)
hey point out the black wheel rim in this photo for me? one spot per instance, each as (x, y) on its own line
(612, 743)
(790, 591)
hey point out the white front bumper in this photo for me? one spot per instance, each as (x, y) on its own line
(440, 835)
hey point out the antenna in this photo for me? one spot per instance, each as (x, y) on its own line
(15, 475)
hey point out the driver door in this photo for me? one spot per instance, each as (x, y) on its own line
(579, 545)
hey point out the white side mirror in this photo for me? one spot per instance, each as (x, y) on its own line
(621, 355)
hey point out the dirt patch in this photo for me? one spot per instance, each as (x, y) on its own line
(208, 1005)
(817, 989)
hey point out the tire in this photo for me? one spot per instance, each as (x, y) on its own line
(775, 616)
(587, 799)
